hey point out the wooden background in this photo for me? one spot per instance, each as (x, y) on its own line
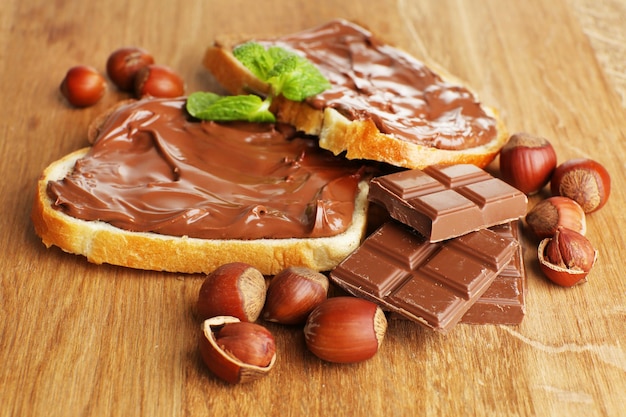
(83, 340)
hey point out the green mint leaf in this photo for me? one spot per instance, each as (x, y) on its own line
(197, 102)
(278, 54)
(210, 106)
(296, 78)
(256, 58)
(288, 73)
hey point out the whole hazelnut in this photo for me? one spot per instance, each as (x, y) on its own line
(547, 215)
(124, 63)
(236, 351)
(527, 162)
(158, 81)
(345, 329)
(293, 293)
(566, 258)
(583, 180)
(83, 86)
(234, 289)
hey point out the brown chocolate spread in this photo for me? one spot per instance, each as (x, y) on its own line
(154, 169)
(404, 98)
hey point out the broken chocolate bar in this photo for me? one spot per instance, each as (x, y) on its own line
(433, 284)
(446, 202)
(504, 300)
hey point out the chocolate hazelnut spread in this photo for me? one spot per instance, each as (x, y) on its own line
(404, 98)
(154, 169)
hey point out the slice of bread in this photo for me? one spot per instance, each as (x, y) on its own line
(101, 243)
(359, 137)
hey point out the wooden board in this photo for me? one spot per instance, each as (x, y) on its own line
(80, 339)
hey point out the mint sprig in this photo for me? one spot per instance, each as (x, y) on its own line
(287, 73)
(210, 106)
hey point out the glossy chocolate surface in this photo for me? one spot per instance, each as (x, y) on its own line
(154, 169)
(504, 302)
(445, 202)
(433, 284)
(403, 97)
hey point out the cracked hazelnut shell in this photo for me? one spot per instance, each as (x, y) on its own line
(249, 354)
(567, 257)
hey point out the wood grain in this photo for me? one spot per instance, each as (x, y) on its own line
(80, 340)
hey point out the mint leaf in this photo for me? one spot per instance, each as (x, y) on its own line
(288, 73)
(256, 58)
(210, 106)
(197, 102)
(296, 78)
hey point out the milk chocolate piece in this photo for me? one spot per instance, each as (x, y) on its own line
(504, 300)
(433, 284)
(446, 202)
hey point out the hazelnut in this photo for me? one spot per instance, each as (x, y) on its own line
(236, 351)
(158, 81)
(345, 329)
(547, 215)
(293, 293)
(234, 289)
(83, 86)
(583, 180)
(566, 258)
(124, 63)
(527, 162)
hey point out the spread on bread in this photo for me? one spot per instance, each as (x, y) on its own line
(162, 189)
(153, 169)
(383, 104)
(373, 80)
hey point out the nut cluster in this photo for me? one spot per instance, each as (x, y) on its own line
(337, 329)
(577, 186)
(131, 69)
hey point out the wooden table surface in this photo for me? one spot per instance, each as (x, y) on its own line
(78, 339)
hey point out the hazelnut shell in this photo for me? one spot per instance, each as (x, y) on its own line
(83, 86)
(223, 365)
(547, 215)
(234, 289)
(563, 276)
(583, 180)
(345, 329)
(527, 162)
(158, 81)
(293, 293)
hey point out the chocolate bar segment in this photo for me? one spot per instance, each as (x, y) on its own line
(445, 202)
(504, 300)
(433, 284)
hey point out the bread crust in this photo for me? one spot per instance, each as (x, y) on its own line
(101, 242)
(359, 139)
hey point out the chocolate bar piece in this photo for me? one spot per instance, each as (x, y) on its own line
(433, 284)
(446, 202)
(504, 300)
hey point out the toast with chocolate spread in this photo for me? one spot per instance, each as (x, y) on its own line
(383, 105)
(159, 190)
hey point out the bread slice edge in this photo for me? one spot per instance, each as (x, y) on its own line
(356, 139)
(102, 243)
